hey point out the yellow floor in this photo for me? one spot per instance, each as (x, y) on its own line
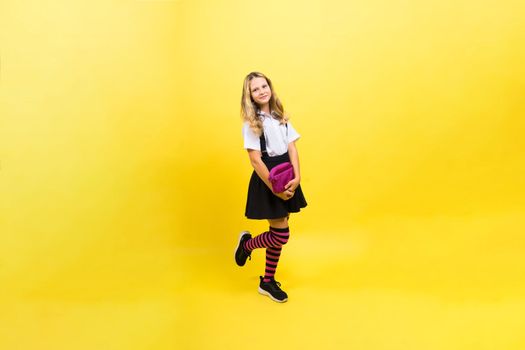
(402, 283)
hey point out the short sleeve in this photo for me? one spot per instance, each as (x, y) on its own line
(251, 140)
(292, 134)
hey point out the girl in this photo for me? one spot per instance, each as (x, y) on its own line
(270, 140)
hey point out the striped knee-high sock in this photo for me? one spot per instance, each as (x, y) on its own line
(272, 259)
(273, 241)
(275, 238)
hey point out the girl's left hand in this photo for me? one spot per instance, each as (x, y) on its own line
(287, 194)
(292, 185)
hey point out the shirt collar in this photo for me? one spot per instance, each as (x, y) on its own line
(263, 114)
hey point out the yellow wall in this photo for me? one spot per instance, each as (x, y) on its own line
(120, 141)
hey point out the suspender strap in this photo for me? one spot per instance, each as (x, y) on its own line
(263, 145)
(262, 140)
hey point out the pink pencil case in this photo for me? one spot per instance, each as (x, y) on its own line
(280, 175)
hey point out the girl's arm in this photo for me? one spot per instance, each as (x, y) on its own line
(259, 167)
(263, 172)
(294, 159)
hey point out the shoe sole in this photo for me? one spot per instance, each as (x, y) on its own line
(263, 292)
(243, 233)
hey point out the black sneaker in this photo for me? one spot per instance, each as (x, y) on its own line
(240, 254)
(273, 290)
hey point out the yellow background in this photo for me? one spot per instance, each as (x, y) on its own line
(123, 178)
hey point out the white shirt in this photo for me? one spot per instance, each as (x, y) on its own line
(277, 136)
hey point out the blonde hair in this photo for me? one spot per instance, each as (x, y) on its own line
(249, 107)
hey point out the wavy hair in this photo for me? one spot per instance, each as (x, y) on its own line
(249, 107)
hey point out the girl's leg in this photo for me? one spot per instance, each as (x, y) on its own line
(272, 240)
(273, 254)
(276, 237)
(279, 223)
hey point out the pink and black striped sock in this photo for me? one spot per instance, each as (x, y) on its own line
(272, 259)
(273, 241)
(276, 237)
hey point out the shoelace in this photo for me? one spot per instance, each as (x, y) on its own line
(272, 281)
(249, 254)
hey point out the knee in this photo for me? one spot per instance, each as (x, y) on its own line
(281, 236)
(286, 238)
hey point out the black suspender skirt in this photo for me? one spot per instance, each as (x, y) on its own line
(261, 202)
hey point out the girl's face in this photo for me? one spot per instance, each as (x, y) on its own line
(260, 91)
